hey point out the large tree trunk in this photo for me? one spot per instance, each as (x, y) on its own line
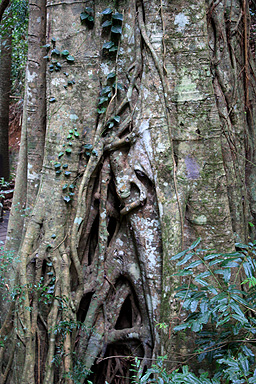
(5, 90)
(136, 166)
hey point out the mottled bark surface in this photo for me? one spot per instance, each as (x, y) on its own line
(136, 166)
(5, 89)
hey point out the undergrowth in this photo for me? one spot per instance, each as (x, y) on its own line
(217, 294)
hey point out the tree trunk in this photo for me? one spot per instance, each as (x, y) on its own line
(5, 90)
(145, 149)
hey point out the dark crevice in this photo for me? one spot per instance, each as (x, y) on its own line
(125, 316)
(93, 239)
(84, 306)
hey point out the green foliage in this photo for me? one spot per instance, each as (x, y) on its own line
(219, 312)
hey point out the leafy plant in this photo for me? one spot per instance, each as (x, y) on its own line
(218, 311)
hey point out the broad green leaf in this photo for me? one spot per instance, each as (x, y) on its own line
(108, 45)
(106, 11)
(106, 24)
(84, 16)
(117, 16)
(201, 282)
(106, 89)
(70, 59)
(116, 29)
(65, 52)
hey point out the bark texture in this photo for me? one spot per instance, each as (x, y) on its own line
(137, 163)
(5, 89)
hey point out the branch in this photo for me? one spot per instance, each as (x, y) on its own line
(4, 4)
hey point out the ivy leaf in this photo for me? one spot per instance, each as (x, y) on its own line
(111, 125)
(89, 10)
(84, 16)
(117, 16)
(101, 110)
(113, 49)
(117, 118)
(102, 100)
(106, 24)
(57, 165)
(68, 151)
(70, 59)
(105, 90)
(111, 75)
(71, 187)
(55, 51)
(108, 45)
(65, 186)
(67, 173)
(60, 154)
(76, 134)
(106, 11)
(67, 199)
(58, 172)
(65, 166)
(88, 146)
(116, 29)
(65, 52)
(47, 46)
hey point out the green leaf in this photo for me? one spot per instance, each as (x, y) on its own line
(117, 118)
(68, 151)
(90, 18)
(201, 282)
(55, 51)
(212, 256)
(186, 258)
(89, 10)
(53, 40)
(65, 166)
(117, 16)
(111, 75)
(108, 45)
(87, 146)
(67, 199)
(70, 59)
(65, 52)
(194, 264)
(102, 100)
(47, 46)
(101, 110)
(195, 244)
(58, 172)
(111, 125)
(179, 255)
(113, 49)
(105, 90)
(65, 186)
(52, 100)
(76, 134)
(67, 173)
(106, 11)
(180, 327)
(116, 29)
(106, 24)
(60, 154)
(83, 16)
